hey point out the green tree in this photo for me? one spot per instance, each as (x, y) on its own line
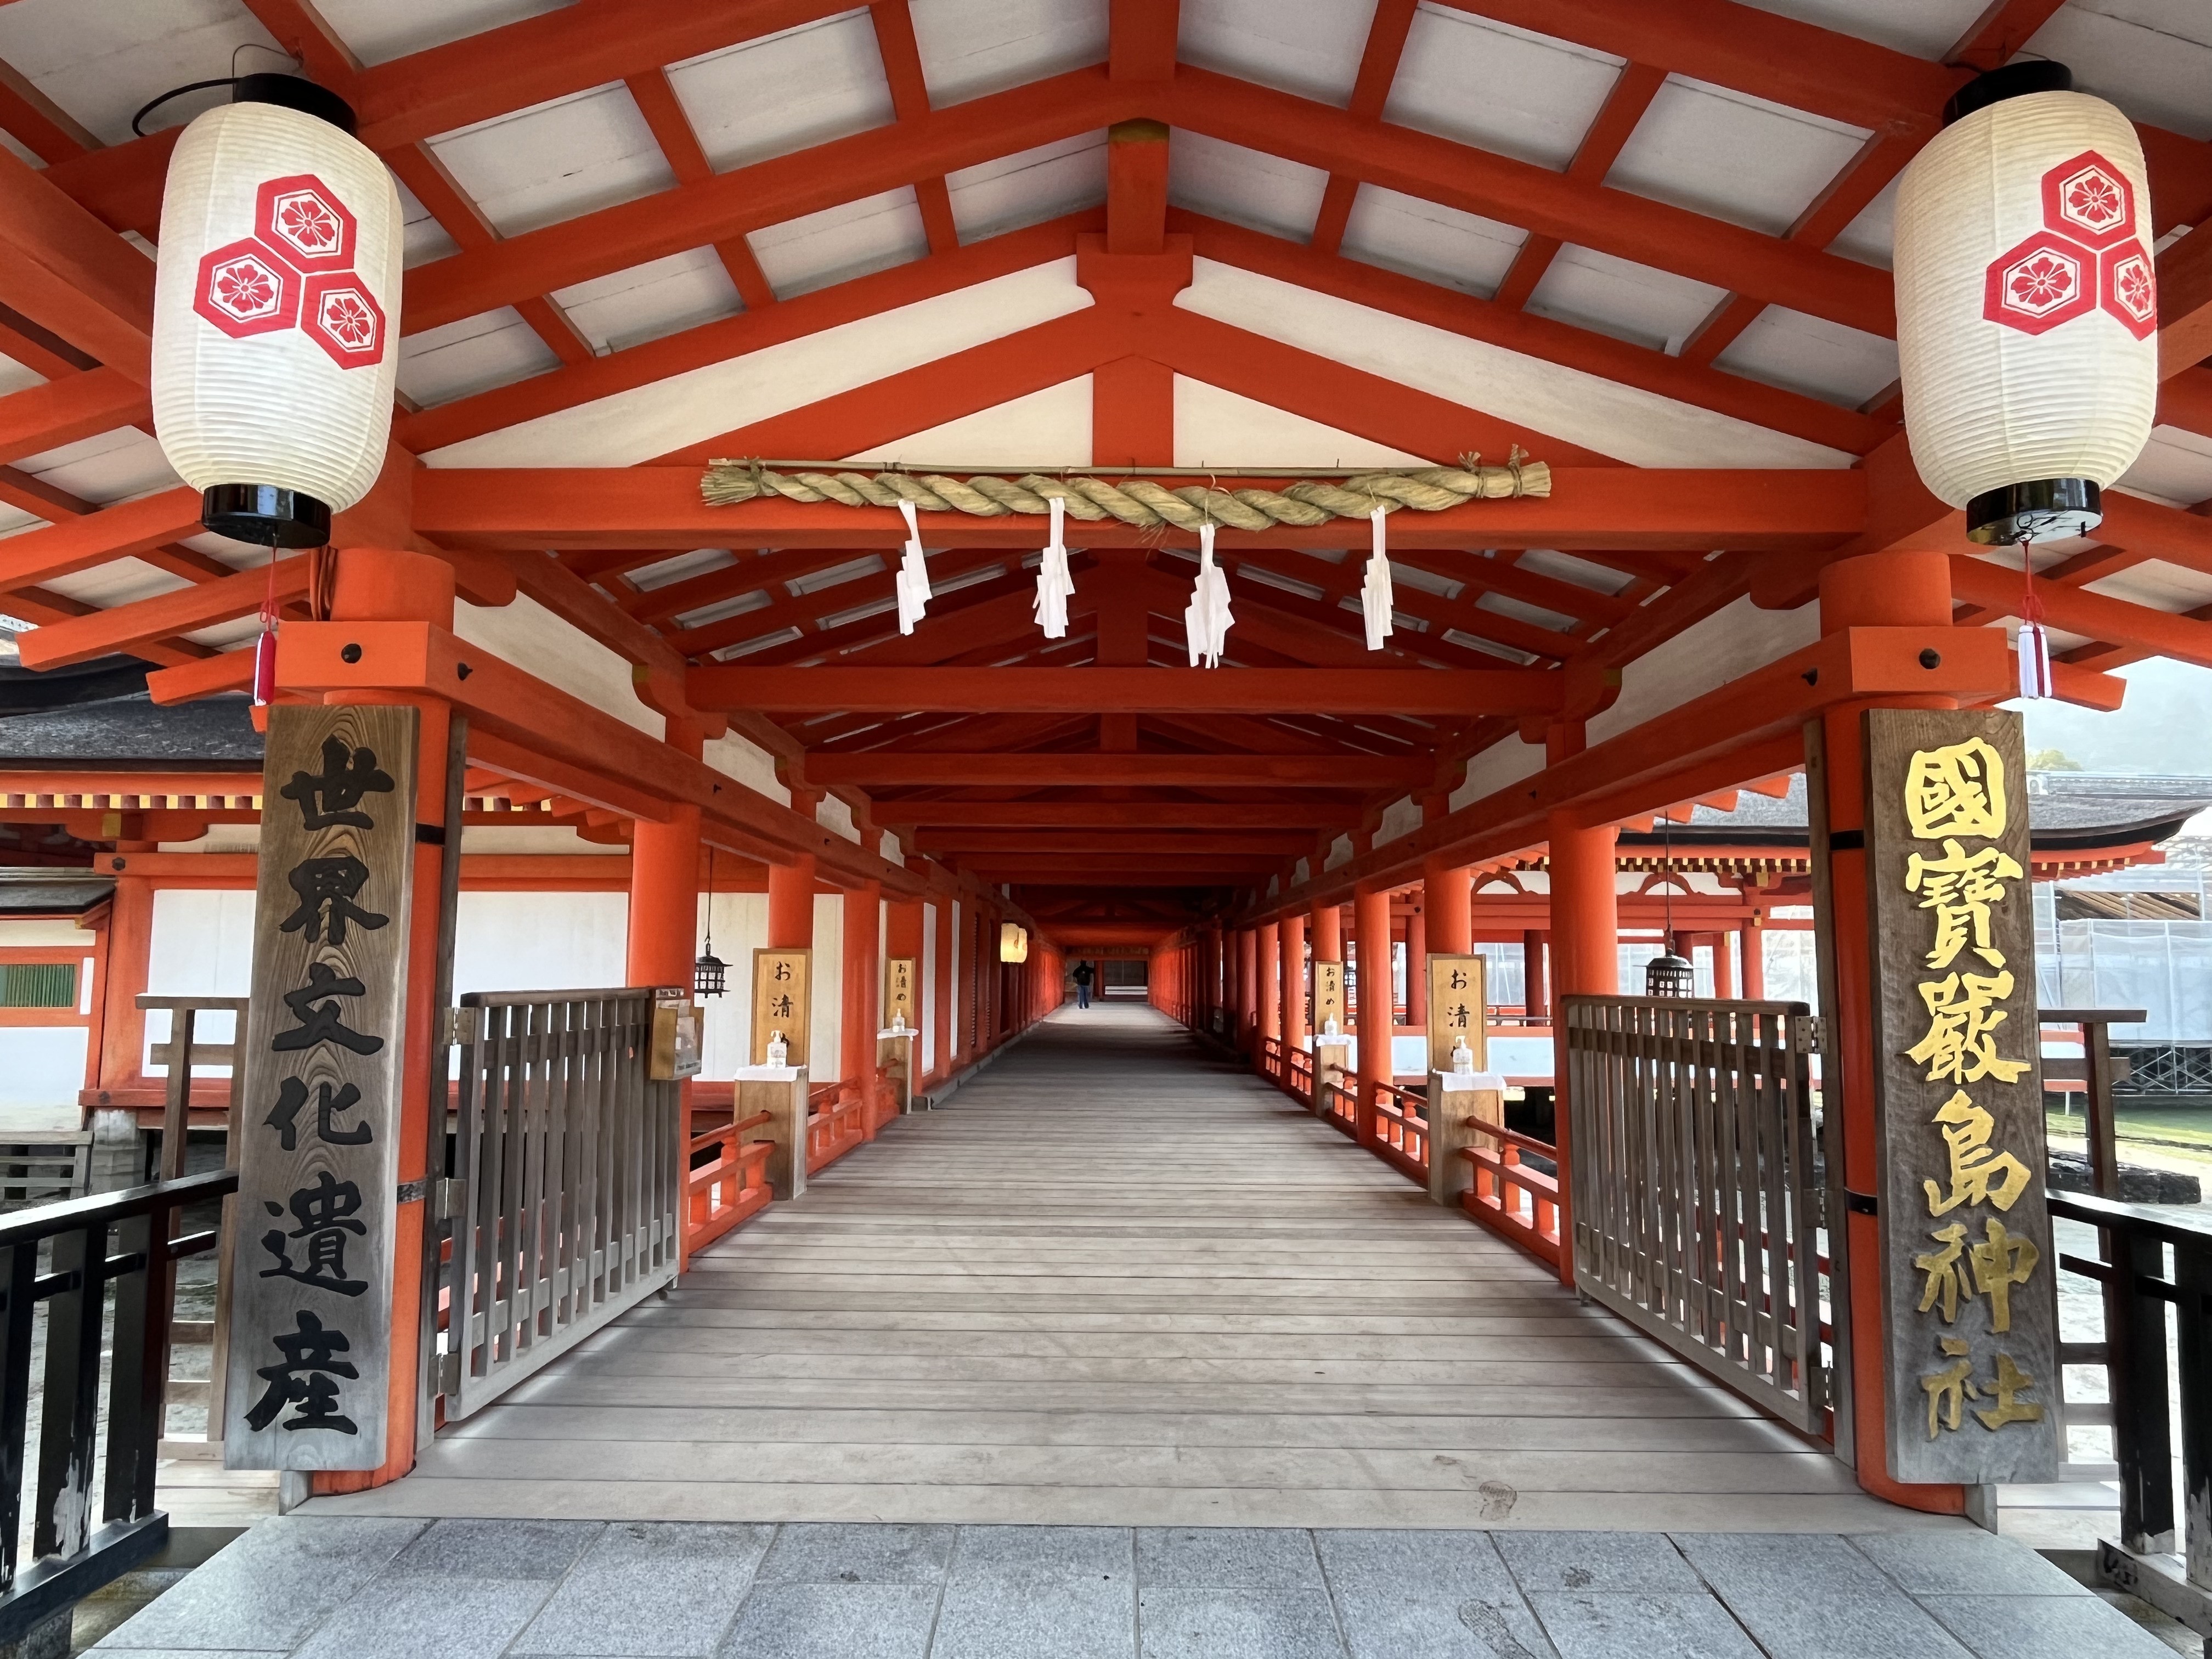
(2052, 760)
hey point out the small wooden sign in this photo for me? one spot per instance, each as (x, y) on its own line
(902, 992)
(1328, 995)
(1969, 1269)
(677, 1052)
(311, 1308)
(1458, 1007)
(783, 1000)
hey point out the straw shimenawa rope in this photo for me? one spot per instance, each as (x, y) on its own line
(1137, 501)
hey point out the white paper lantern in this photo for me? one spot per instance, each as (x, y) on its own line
(276, 315)
(2026, 305)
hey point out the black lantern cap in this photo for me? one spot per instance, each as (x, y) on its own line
(265, 515)
(709, 975)
(1669, 976)
(2042, 510)
(2012, 80)
(297, 92)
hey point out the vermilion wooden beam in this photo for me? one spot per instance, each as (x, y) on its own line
(1087, 814)
(1536, 336)
(902, 60)
(1694, 509)
(1600, 148)
(1136, 187)
(672, 130)
(733, 336)
(971, 846)
(1122, 771)
(113, 532)
(1140, 40)
(67, 272)
(2185, 304)
(38, 124)
(1635, 228)
(63, 410)
(132, 628)
(1370, 91)
(1141, 691)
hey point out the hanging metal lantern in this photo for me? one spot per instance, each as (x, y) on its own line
(2026, 305)
(1669, 976)
(710, 975)
(276, 311)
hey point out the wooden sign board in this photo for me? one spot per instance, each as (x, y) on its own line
(1458, 1007)
(902, 992)
(311, 1306)
(1969, 1269)
(783, 1000)
(1327, 996)
(677, 1051)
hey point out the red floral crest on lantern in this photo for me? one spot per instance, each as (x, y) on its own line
(2043, 283)
(2087, 257)
(296, 270)
(244, 289)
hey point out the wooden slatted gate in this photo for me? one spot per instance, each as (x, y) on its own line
(562, 1204)
(1696, 1205)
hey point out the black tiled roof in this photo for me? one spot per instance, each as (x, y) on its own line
(131, 732)
(29, 894)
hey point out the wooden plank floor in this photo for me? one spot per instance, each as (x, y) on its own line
(1117, 1282)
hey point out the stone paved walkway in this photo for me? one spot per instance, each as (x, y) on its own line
(369, 1587)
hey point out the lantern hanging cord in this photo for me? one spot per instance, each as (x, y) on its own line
(1128, 494)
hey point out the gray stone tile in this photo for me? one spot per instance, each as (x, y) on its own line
(410, 1615)
(1977, 1563)
(2045, 1627)
(647, 1588)
(1440, 1565)
(833, 1621)
(1043, 1554)
(1236, 1624)
(1664, 1625)
(203, 1653)
(1815, 1566)
(860, 1553)
(1010, 1617)
(1601, 1563)
(499, 1549)
(1404, 1624)
(1227, 1557)
(272, 1587)
(1835, 1627)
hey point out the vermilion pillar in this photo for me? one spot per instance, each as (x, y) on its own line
(664, 886)
(1882, 590)
(791, 904)
(1248, 987)
(1327, 933)
(940, 1011)
(1372, 1011)
(1447, 901)
(1535, 991)
(1417, 968)
(1294, 981)
(858, 1026)
(1754, 958)
(385, 585)
(1585, 956)
(1269, 988)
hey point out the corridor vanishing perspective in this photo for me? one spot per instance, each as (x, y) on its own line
(1118, 1281)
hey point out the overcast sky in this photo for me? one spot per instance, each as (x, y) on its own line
(2163, 728)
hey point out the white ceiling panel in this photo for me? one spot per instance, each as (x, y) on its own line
(554, 161)
(113, 466)
(119, 581)
(2161, 585)
(1501, 88)
(697, 562)
(783, 91)
(1824, 360)
(971, 47)
(850, 239)
(1736, 157)
(424, 239)
(1311, 47)
(1037, 185)
(2152, 58)
(378, 31)
(759, 599)
(1871, 237)
(1505, 605)
(1926, 28)
(1618, 297)
(2174, 467)
(14, 376)
(648, 301)
(99, 63)
(14, 146)
(1430, 240)
(1598, 578)
(472, 354)
(1218, 428)
(1244, 186)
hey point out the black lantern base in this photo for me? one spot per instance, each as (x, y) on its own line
(2042, 510)
(265, 515)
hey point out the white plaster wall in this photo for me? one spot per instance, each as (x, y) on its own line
(823, 1066)
(739, 923)
(1505, 761)
(43, 935)
(43, 1072)
(1214, 426)
(1703, 657)
(222, 838)
(1402, 817)
(531, 637)
(1047, 429)
(837, 818)
(646, 421)
(558, 838)
(540, 941)
(929, 925)
(201, 945)
(749, 764)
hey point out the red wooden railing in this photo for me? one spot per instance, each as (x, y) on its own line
(731, 1186)
(837, 1121)
(1401, 1130)
(1508, 1197)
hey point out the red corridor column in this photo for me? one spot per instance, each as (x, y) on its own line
(1585, 955)
(1372, 1011)
(1293, 981)
(1268, 990)
(664, 886)
(857, 1028)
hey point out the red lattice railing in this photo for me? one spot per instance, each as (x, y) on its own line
(1510, 1197)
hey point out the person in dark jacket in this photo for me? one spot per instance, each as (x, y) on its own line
(1083, 978)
